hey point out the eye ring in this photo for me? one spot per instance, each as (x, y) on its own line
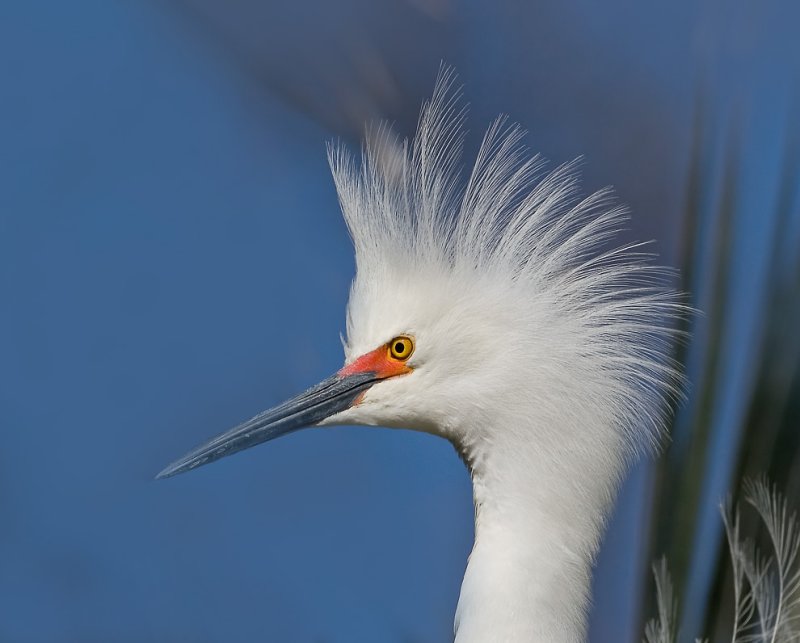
(401, 347)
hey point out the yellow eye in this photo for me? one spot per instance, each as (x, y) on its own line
(401, 347)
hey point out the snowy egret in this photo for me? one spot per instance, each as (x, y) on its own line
(492, 312)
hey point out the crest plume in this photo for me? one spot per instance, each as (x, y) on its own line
(411, 208)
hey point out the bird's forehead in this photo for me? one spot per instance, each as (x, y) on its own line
(422, 303)
(383, 306)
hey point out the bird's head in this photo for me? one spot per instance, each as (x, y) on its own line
(444, 346)
(480, 298)
(421, 355)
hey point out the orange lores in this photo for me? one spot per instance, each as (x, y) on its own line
(379, 362)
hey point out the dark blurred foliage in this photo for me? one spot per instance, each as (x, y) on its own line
(741, 265)
(153, 184)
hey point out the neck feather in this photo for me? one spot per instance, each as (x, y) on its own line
(539, 519)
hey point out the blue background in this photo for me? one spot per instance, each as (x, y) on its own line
(172, 260)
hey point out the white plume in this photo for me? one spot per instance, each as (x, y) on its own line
(766, 585)
(410, 213)
(662, 628)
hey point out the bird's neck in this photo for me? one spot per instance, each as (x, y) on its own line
(538, 522)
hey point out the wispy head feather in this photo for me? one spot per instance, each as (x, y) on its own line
(414, 216)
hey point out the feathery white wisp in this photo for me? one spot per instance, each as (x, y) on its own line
(540, 353)
(766, 585)
(662, 628)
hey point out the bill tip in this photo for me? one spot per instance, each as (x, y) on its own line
(167, 472)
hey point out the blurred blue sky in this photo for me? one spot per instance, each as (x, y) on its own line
(172, 260)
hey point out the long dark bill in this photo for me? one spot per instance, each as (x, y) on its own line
(319, 402)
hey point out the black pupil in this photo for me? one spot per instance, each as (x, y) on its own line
(399, 348)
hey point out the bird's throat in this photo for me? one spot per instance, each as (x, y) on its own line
(536, 533)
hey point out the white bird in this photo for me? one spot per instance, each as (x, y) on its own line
(488, 309)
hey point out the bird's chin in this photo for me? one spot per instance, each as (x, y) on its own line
(377, 415)
(347, 416)
(361, 414)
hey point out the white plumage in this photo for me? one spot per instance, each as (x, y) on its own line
(490, 308)
(541, 354)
